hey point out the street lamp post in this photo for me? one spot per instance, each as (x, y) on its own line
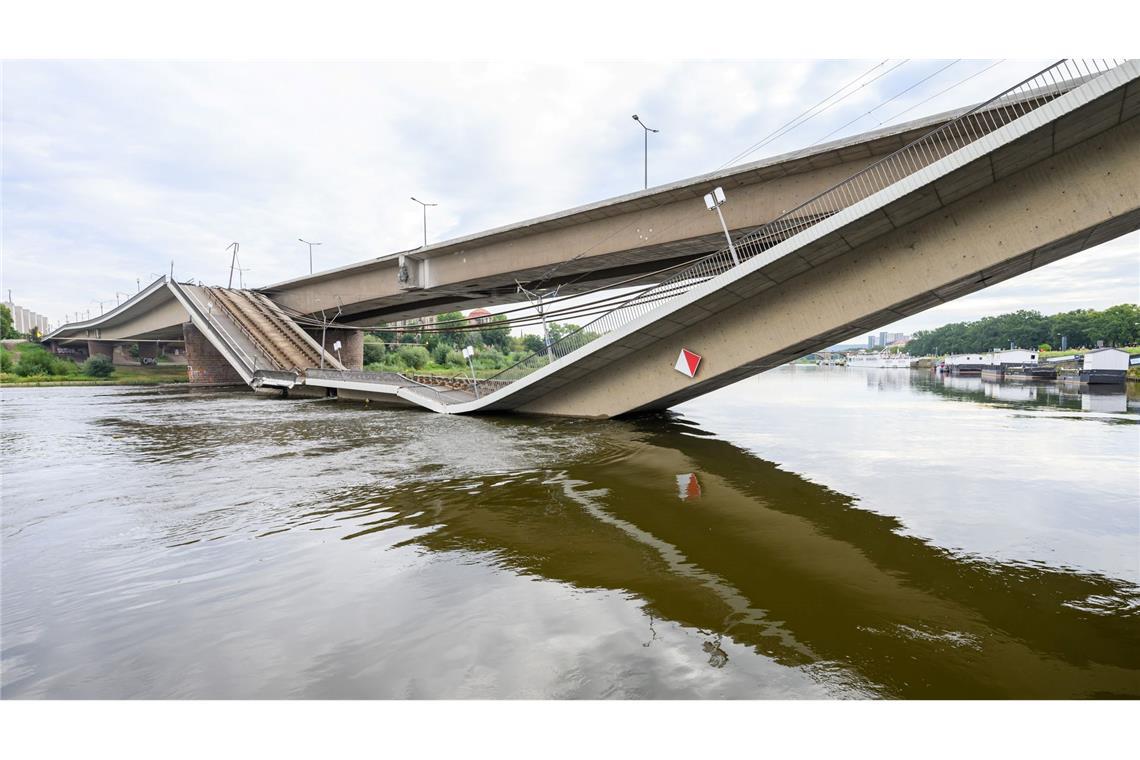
(425, 205)
(233, 263)
(715, 200)
(647, 131)
(306, 242)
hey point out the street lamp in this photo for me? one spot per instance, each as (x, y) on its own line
(647, 131)
(425, 205)
(715, 200)
(233, 263)
(306, 242)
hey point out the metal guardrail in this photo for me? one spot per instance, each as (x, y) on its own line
(383, 378)
(221, 331)
(240, 325)
(951, 137)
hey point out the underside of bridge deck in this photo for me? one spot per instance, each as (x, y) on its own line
(1075, 199)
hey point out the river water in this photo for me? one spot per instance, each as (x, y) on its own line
(808, 533)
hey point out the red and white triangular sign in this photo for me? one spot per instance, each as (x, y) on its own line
(687, 362)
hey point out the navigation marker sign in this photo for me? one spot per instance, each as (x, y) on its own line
(687, 362)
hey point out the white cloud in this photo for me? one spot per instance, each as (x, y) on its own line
(111, 170)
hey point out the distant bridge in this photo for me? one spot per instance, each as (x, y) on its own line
(1039, 172)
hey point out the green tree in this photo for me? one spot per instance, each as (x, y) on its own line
(374, 350)
(1073, 325)
(496, 333)
(414, 357)
(532, 344)
(7, 328)
(98, 366)
(449, 324)
(35, 361)
(1117, 325)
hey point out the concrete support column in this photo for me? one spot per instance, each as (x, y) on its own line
(351, 348)
(204, 364)
(101, 348)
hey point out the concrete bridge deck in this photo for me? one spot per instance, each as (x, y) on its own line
(1043, 171)
(1051, 182)
(595, 245)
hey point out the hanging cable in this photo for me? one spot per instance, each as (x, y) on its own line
(888, 100)
(789, 125)
(942, 92)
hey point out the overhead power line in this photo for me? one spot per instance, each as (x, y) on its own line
(888, 100)
(959, 83)
(800, 120)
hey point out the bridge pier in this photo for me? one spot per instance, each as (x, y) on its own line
(101, 348)
(205, 365)
(351, 352)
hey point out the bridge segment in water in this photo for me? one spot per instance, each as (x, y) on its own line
(1037, 173)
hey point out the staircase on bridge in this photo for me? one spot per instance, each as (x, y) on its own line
(278, 337)
(261, 342)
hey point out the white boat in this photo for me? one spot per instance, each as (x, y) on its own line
(879, 360)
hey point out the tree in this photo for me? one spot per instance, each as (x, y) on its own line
(496, 333)
(98, 366)
(373, 350)
(1073, 325)
(1117, 325)
(7, 329)
(449, 323)
(532, 344)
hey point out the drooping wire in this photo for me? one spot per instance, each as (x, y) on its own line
(800, 120)
(896, 96)
(959, 83)
(780, 132)
(528, 319)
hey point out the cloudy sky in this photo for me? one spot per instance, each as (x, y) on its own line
(111, 170)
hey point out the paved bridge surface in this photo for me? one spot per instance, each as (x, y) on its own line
(1040, 172)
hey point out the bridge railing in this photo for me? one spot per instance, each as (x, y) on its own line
(249, 361)
(1009, 106)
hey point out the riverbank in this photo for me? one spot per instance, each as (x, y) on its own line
(158, 375)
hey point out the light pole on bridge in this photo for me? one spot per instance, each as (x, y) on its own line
(713, 201)
(425, 205)
(647, 131)
(306, 242)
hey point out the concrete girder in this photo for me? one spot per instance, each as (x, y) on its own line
(1041, 213)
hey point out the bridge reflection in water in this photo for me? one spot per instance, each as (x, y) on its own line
(764, 558)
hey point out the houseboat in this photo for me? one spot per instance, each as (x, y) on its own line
(1104, 366)
(1015, 364)
(964, 364)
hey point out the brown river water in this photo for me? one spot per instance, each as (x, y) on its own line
(808, 533)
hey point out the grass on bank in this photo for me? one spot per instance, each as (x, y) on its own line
(32, 364)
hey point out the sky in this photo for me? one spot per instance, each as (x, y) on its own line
(114, 170)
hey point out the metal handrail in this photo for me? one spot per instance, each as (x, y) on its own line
(941, 142)
(242, 355)
(240, 326)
